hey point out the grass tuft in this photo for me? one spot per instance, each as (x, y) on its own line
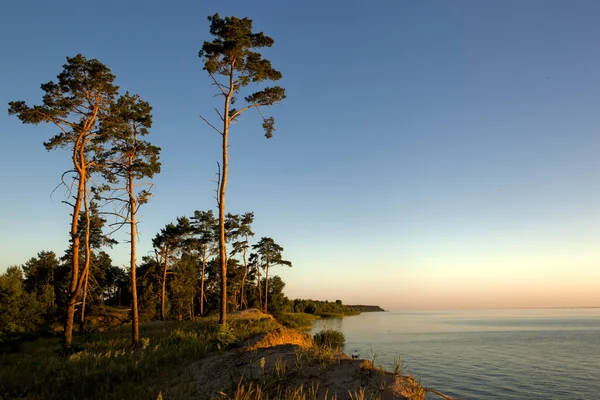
(330, 339)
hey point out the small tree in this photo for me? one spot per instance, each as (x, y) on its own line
(232, 63)
(243, 231)
(270, 254)
(21, 311)
(75, 104)
(254, 268)
(182, 287)
(39, 274)
(278, 302)
(204, 228)
(167, 244)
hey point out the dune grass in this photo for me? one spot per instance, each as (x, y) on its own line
(106, 366)
(330, 339)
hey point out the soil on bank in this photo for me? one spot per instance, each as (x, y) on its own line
(284, 360)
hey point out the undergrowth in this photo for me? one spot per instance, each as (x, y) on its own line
(108, 367)
(296, 320)
(330, 339)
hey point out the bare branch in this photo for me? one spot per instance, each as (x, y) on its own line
(219, 85)
(260, 112)
(218, 182)
(62, 182)
(211, 125)
(109, 199)
(120, 225)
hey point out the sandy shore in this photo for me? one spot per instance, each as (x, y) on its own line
(284, 360)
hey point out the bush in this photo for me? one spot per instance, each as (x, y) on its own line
(179, 336)
(330, 338)
(310, 308)
(225, 337)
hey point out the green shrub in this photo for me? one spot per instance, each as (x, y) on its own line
(330, 338)
(310, 308)
(225, 337)
(179, 336)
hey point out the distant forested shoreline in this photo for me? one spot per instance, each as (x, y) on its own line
(364, 308)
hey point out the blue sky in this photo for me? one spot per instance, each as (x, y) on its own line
(429, 154)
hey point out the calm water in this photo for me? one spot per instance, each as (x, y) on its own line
(491, 354)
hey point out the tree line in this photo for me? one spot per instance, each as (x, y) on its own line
(110, 175)
(179, 280)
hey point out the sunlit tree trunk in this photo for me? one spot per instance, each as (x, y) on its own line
(81, 168)
(266, 287)
(88, 257)
(135, 330)
(222, 188)
(242, 290)
(163, 291)
(202, 296)
(83, 301)
(259, 286)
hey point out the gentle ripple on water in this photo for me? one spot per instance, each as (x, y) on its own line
(498, 354)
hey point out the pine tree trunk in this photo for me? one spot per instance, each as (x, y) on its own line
(135, 330)
(164, 285)
(242, 291)
(80, 166)
(221, 201)
(85, 288)
(53, 289)
(234, 300)
(88, 258)
(259, 286)
(204, 258)
(267, 288)
(70, 317)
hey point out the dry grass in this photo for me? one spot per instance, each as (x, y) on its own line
(408, 387)
(281, 336)
(251, 314)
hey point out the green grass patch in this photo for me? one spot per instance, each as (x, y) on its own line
(297, 320)
(330, 315)
(108, 367)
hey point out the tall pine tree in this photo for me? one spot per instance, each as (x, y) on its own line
(80, 98)
(232, 61)
(130, 159)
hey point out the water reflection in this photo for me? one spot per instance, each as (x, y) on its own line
(484, 354)
(400, 322)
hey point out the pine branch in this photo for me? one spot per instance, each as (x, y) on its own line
(211, 125)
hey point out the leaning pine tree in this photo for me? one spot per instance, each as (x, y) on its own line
(75, 104)
(232, 63)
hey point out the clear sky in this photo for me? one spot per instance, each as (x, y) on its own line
(430, 154)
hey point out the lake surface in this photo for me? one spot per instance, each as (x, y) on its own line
(491, 354)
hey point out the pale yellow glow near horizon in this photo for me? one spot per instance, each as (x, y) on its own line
(505, 282)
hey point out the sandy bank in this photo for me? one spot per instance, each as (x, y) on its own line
(284, 364)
